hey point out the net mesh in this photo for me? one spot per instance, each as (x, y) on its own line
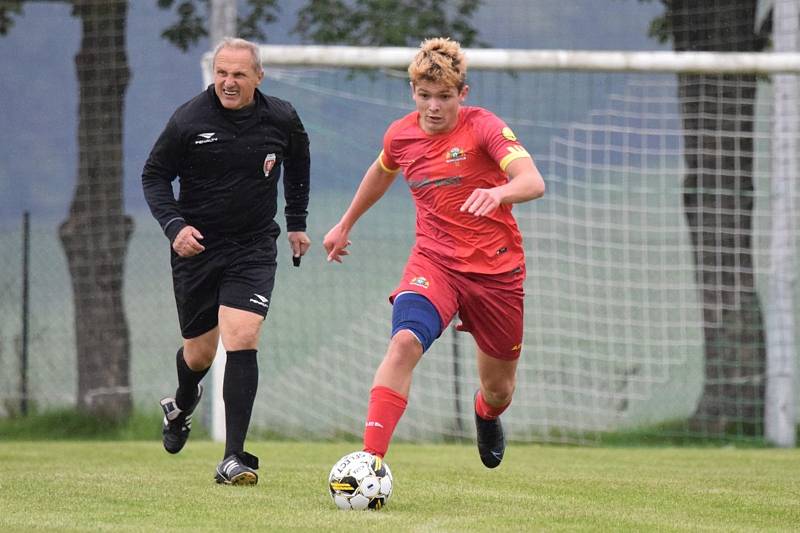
(614, 312)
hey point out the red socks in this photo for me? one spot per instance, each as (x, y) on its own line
(385, 409)
(387, 406)
(486, 411)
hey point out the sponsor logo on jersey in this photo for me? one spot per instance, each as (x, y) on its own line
(203, 138)
(269, 162)
(436, 182)
(516, 347)
(508, 134)
(455, 154)
(420, 281)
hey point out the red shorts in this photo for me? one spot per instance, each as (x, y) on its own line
(489, 306)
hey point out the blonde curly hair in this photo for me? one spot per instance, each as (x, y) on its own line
(439, 60)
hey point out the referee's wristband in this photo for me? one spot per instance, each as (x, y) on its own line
(172, 230)
(295, 219)
(295, 225)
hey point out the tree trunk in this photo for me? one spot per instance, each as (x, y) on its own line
(718, 199)
(718, 114)
(95, 235)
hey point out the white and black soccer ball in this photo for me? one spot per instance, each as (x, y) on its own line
(360, 480)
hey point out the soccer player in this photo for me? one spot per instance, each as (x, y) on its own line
(227, 145)
(465, 169)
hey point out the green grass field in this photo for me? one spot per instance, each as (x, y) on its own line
(136, 486)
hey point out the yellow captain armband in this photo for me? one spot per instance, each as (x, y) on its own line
(384, 167)
(514, 152)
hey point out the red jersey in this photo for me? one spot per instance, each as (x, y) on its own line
(442, 170)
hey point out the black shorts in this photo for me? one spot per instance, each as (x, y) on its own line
(234, 274)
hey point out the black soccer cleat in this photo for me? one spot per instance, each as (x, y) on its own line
(491, 440)
(237, 469)
(177, 422)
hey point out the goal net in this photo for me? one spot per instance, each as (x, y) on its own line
(651, 259)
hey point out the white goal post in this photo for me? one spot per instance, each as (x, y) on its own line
(527, 60)
(780, 409)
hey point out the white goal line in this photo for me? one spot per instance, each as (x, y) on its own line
(520, 60)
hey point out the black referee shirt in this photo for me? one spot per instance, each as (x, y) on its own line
(228, 167)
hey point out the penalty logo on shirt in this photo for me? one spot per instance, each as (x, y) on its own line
(269, 162)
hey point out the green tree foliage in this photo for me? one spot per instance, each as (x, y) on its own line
(356, 22)
(387, 22)
(193, 15)
(8, 8)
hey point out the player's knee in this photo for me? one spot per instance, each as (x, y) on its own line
(404, 343)
(499, 392)
(241, 341)
(240, 335)
(416, 314)
(200, 360)
(199, 352)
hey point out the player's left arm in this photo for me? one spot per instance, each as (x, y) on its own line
(525, 183)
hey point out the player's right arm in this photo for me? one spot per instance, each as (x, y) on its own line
(375, 183)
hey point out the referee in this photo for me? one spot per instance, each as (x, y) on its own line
(227, 146)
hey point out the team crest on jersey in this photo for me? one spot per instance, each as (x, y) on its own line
(455, 154)
(269, 162)
(420, 281)
(508, 134)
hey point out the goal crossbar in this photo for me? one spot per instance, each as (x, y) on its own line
(522, 60)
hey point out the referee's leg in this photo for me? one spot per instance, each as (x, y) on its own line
(199, 352)
(239, 330)
(192, 363)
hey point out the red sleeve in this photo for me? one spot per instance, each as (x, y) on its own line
(497, 138)
(386, 158)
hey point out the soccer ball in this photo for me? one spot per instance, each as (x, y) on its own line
(360, 480)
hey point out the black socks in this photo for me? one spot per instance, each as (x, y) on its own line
(187, 382)
(239, 392)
